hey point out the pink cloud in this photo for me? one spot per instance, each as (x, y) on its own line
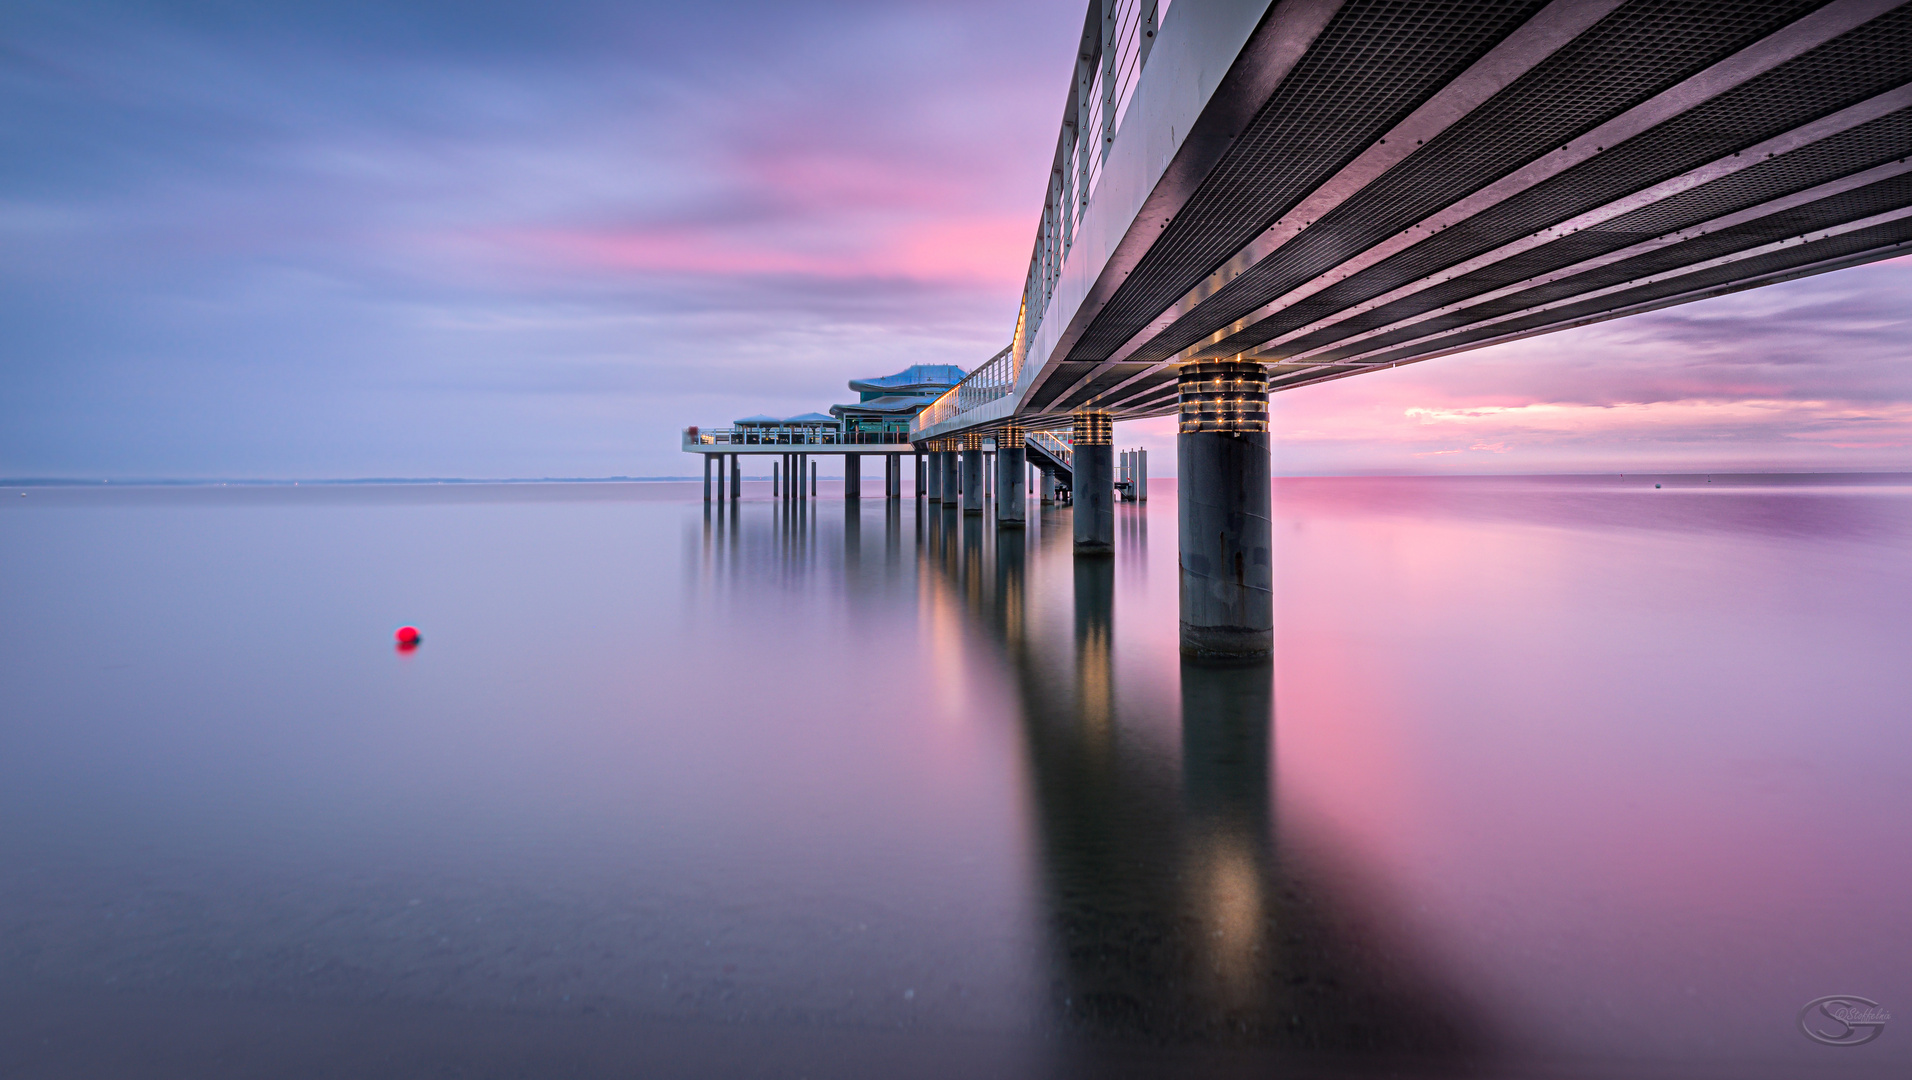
(980, 250)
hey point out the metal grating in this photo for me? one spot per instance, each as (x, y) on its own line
(1064, 377)
(1375, 61)
(1848, 244)
(1577, 88)
(1889, 194)
(1857, 65)
(1871, 144)
(1141, 388)
(1103, 382)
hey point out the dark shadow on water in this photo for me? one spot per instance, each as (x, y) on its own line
(1182, 935)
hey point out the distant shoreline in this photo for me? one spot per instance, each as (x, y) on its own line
(49, 482)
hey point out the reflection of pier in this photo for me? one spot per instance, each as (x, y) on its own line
(1178, 921)
(1174, 914)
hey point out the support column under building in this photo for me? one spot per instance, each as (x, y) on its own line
(707, 478)
(1093, 464)
(973, 473)
(853, 476)
(736, 476)
(933, 473)
(1012, 479)
(952, 481)
(1047, 484)
(1225, 508)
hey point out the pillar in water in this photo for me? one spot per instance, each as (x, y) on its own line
(853, 476)
(736, 476)
(952, 482)
(973, 473)
(1225, 506)
(1094, 467)
(1012, 478)
(707, 477)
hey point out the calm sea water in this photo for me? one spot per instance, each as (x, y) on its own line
(1568, 777)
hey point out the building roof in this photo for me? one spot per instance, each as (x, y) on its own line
(917, 378)
(809, 419)
(887, 404)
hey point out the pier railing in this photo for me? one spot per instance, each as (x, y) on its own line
(791, 436)
(1116, 36)
(992, 380)
(1055, 446)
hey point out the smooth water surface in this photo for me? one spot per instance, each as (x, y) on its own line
(1568, 777)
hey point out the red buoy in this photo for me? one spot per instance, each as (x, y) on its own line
(408, 637)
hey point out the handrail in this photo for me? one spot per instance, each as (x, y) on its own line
(1116, 37)
(991, 380)
(1056, 446)
(791, 436)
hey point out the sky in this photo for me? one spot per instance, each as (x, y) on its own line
(364, 239)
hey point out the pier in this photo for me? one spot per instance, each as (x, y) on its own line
(1250, 198)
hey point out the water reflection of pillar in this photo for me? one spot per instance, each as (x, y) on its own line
(852, 535)
(949, 547)
(1094, 625)
(1134, 553)
(1011, 611)
(1227, 718)
(892, 538)
(972, 560)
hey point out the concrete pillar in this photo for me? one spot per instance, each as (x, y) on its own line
(889, 477)
(922, 477)
(813, 477)
(707, 478)
(736, 476)
(1225, 507)
(853, 476)
(952, 482)
(935, 473)
(973, 473)
(1047, 485)
(776, 477)
(1094, 466)
(1012, 478)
